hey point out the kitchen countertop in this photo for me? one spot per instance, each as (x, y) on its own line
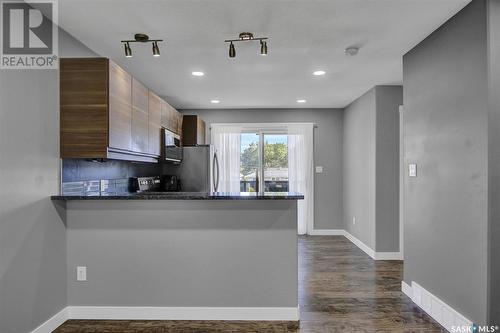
(187, 196)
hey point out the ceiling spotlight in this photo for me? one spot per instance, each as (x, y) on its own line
(197, 73)
(246, 37)
(263, 48)
(319, 73)
(351, 51)
(215, 101)
(301, 101)
(128, 50)
(156, 49)
(141, 38)
(232, 51)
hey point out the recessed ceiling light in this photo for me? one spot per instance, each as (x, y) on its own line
(215, 101)
(319, 73)
(198, 73)
(301, 101)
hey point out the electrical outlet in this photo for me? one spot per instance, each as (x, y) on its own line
(353, 220)
(81, 273)
(412, 170)
(319, 169)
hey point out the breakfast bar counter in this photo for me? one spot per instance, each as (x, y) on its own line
(192, 256)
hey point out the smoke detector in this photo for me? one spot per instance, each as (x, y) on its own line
(351, 51)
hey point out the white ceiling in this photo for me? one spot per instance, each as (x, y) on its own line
(304, 35)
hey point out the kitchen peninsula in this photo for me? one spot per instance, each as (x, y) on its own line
(181, 255)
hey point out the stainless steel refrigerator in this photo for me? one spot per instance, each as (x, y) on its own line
(199, 169)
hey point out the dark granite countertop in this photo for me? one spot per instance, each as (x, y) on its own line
(187, 196)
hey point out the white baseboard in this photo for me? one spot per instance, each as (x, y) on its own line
(54, 322)
(388, 256)
(444, 314)
(365, 248)
(184, 313)
(168, 313)
(327, 232)
(368, 250)
(406, 289)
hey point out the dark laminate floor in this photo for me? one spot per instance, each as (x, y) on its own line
(341, 289)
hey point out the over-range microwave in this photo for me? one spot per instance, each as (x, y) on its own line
(171, 146)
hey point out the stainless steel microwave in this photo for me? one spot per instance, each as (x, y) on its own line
(171, 146)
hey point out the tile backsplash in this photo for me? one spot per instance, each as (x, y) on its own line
(85, 177)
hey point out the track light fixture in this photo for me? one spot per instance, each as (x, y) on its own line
(141, 38)
(246, 37)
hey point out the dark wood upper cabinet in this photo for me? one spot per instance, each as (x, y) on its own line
(193, 130)
(140, 117)
(154, 123)
(171, 119)
(105, 113)
(120, 108)
(84, 108)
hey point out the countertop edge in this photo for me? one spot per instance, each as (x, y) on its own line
(146, 197)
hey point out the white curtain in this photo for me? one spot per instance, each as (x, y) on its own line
(226, 144)
(301, 172)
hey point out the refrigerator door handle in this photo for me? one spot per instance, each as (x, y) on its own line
(215, 168)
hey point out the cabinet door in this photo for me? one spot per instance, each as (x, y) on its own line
(120, 108)
(200, 131)
(140, 118)
(154, 123)
(179, 122)
(172, 119)
(83, 108)
(168, 117)
(164, 114)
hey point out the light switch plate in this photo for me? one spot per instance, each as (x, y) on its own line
(412, 170)
(81, 273)
(319, 169)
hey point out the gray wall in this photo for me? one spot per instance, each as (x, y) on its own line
(32, 235)
(388, 100)
(446, 115)
(183, 253)
(371, 168)
(327, 151)
(359, 168)
(494, 160)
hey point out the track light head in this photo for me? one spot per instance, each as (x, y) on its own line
(128, 50)
(156, 49)
(232, 50)
(263, 48)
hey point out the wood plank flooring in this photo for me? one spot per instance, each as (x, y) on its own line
(341, 289)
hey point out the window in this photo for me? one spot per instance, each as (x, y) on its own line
(264, 162)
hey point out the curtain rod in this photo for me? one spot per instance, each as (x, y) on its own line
(261, 124)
